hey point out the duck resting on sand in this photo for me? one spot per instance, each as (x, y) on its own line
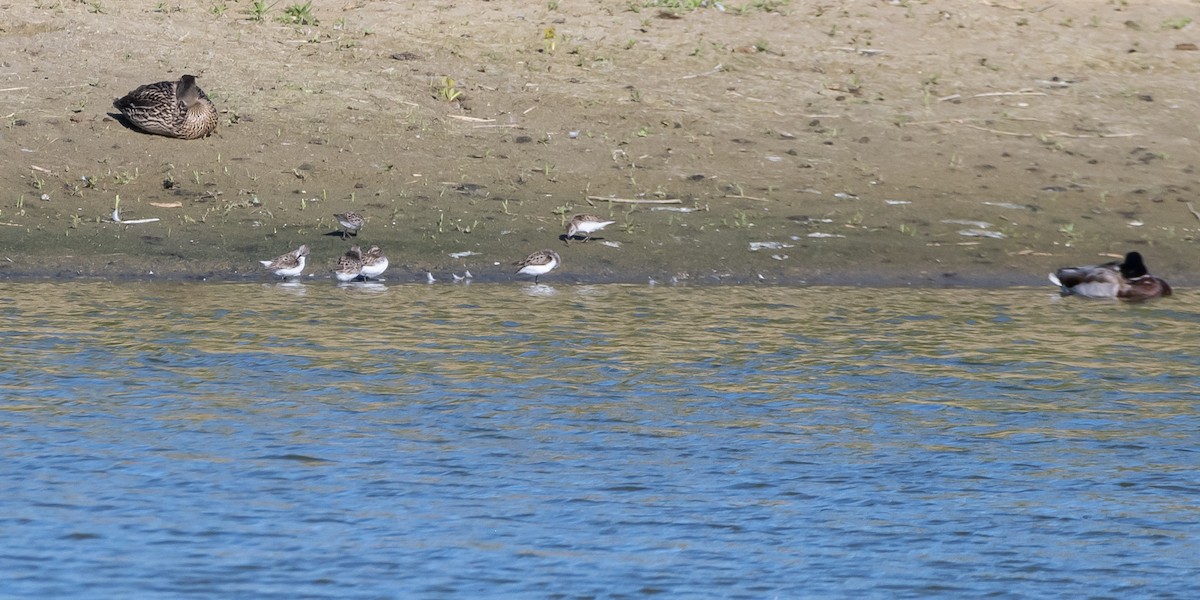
(177, 109)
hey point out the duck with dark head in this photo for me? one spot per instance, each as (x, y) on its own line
(1127, 280)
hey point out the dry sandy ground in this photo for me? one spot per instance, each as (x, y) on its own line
(873, 142)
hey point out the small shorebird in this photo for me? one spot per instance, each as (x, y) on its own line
(351, 222)
(539, 263)
(177, 109)
(374, 263)
(349, 265)
(287, 265)
(587, 225)
(1128, 280)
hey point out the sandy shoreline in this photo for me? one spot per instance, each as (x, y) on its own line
(980, 145)
(492, 274)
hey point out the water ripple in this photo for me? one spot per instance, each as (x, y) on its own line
(595, 441)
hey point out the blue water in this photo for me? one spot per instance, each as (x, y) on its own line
(264, 441)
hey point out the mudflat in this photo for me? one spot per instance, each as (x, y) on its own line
(903, 142)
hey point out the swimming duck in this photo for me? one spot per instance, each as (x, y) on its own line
(1127, 280)
(177, 109)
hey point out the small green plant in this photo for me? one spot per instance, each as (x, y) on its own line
(124, 177)
(1178, 23)
(259, 9)
(679, 4)
(446, 90)
(219, 8)
(299, 14)
(764, 6)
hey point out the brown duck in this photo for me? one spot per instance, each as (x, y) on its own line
(177, 109)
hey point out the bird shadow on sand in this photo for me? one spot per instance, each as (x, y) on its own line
(124, 121)
(564, 238)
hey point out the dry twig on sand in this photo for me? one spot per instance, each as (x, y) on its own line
(1051, 134)
(635, 200)
(716, 69)
(1193, 210)
(991, 95)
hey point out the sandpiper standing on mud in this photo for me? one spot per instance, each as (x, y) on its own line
(351, 222)
(539, 263)
(287, 265)
(374, 263)
(587, 225)
(349, 265)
